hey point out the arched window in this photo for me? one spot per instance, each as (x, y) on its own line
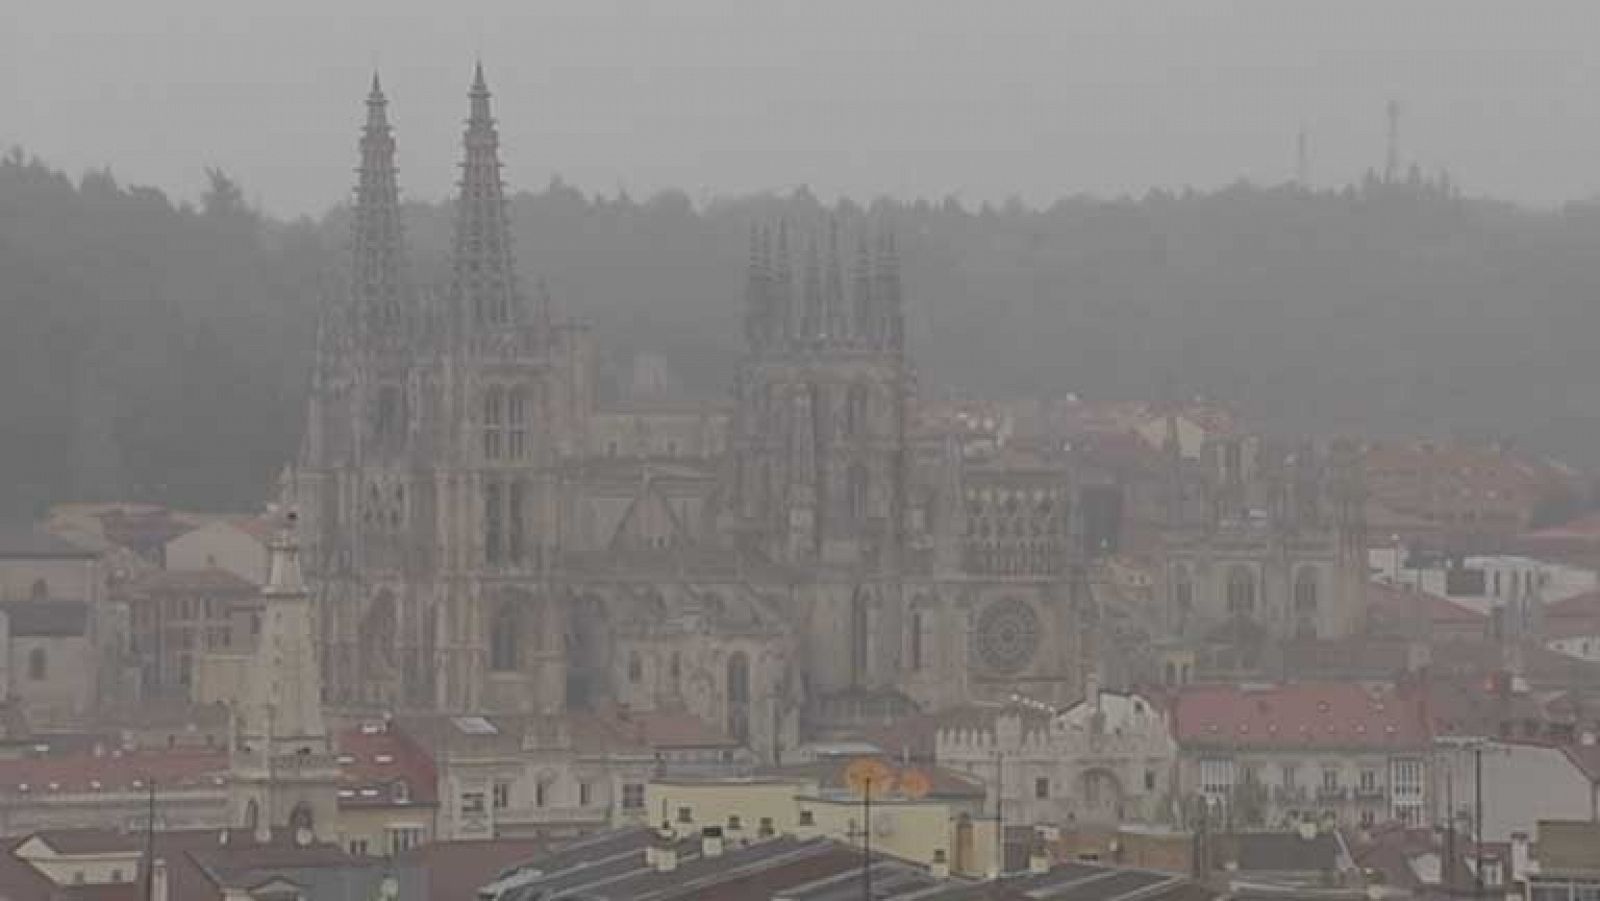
(916, 639)
(493, 523)
(40, 590)
(1183, 592)
(855, 410)
(301, 819)
(635, 668)
(252, 815)
(739, 696)
(856, 493)
(1305, 590)
(517, 424)
(1241, 591)
(516, 532)
(38, 666)
(503, 638)
(494, 401)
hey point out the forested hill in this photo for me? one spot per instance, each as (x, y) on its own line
(157, 351)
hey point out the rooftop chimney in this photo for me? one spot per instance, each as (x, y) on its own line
(662, 854)
(1038, 857)
(940, 868)
(711, 841)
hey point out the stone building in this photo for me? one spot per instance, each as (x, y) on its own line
(1108, 760)
(483, 536)
(1264, 545)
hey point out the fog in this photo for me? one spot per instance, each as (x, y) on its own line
(895, 97)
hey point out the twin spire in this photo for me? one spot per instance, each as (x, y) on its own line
(812, 310)
(483, 291)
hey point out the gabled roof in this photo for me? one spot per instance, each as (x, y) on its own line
(373, 758)
(1298, 716)
(87, 841)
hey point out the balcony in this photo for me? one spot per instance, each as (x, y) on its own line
(1331, 793)
(1370, 793)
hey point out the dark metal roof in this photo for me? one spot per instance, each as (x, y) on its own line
(47, 619)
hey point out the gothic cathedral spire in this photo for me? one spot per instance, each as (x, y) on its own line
(378, 247)
(484, 287)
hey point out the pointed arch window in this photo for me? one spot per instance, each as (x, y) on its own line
(855, 410)
(517, 424)
(1305, 590)
(493, 523)
(1241, 591)
(739, 696)
(503, 639)
(856, 493)
(516, 534)
(494, 400)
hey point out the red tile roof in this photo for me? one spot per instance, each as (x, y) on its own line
(372, 758)
(112, 771)
(1401, 604)
(1305, 715)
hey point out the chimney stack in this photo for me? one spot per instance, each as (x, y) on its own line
(940, 868)
(663, 854)
(711, 841)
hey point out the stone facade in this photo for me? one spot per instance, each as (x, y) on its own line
(482, 536)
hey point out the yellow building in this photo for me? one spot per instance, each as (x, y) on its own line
(926, 816)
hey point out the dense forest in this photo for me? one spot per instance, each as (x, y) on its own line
(159, 351)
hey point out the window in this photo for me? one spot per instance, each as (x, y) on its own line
(502, 795)
(585, 793)
(734, 822)
(40, 590)
(358, 847)
(1216, 778)
(1368, 782)
(541, 791)
(38, 667)
(807, 818)
(764, 829)
(116, 875)
(1367, 818)
(1041, 788)
(685, 815)
(632, 796)
(1291, 776)
(401, 792)
(1330, 779)
(856, 493)
(515, 533)
(404, 838)
(1149, 780)
(1241, 591)
(635, 668)
(916, 639)
(472, 802)
(503, 635)
(517, 424)
(493, 523)
(1305, 590)
(493, 422)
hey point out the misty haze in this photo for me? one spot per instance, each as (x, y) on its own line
(876, 450)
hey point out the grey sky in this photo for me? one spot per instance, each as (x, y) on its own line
(910, 97)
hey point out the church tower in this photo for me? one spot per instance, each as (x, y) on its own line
(283, 775)
(822, 394)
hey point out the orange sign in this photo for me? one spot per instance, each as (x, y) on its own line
(869, 775)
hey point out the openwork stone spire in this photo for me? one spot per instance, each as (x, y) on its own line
(484, 288)
(378, 247)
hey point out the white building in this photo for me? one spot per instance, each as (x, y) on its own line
(1484, 583)
(1108, 759)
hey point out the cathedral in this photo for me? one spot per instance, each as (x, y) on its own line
(482, 535)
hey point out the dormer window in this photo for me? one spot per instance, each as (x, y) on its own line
(400, 791)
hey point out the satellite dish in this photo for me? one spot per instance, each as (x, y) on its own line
(869, 777)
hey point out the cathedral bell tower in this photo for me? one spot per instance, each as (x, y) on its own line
(283, 776)
(822, 396)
